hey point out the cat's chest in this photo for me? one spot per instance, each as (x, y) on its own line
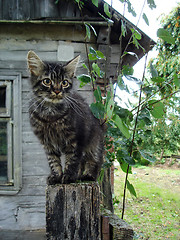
(56, 133)
(58, 130)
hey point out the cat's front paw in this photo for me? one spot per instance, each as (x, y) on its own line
(88, 178)
(52, 180)
(67, 179)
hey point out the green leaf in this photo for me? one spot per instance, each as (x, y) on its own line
(153, 71)
(145, 19)
(132, 54)
(136, 34)
(84, 78)
(123, 28)
(109, 21)
(144, 117)
(98, 110)
(127, 70)
(92, 50)
(156, 109)
(134, 79)
(165, 35)
(106, 10)
(100, 55)
(92, 57)
(96, 69)
(95, 2)
(151, 4)
(124, 167)
(123, 155)
(122, 127)
(147, 156)
(176, 80)
(97, 94)
(131, 189)
(158, 79)
(121, 83)
(108, 97)
(130, 8)
(84, 66)
(93, 29)
(110, 108)
(88, 31)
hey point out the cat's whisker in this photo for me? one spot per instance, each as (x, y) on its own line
(74, 101)
(28, 102)
(75, 107)
(39, 105)
(32, 103)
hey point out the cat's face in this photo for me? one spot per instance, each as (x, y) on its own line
(51, 81)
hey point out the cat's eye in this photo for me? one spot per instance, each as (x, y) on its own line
(65, 83)
(47, 82)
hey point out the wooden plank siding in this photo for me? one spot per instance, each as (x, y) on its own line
(26, 210)
(23, 9)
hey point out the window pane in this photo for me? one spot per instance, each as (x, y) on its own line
(3, 152)
(2, 99)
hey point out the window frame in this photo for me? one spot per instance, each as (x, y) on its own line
(13, 116)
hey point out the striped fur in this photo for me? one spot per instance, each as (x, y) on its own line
(72, 137)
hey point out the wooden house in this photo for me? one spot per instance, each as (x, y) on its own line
(56, 32)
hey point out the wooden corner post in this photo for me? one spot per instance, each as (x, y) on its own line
(73, 211)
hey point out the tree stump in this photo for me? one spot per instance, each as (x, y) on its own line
(73, 211)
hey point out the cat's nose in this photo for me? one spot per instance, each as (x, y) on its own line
(56, 92)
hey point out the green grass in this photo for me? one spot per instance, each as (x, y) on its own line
(154, 213)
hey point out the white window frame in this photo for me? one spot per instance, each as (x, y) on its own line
(13, 117)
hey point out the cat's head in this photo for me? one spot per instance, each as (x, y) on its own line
(51, 80)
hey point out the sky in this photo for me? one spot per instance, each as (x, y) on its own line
(162, 7)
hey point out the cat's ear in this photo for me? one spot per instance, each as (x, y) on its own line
(71, 66)
(35, 64)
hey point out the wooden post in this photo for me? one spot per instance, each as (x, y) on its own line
(118, 228)
(73, 211)
(105, 235)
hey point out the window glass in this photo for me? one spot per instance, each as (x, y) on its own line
(3, 152)
(2, 99)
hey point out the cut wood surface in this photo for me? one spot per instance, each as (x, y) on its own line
(119, 229)
(72, 211)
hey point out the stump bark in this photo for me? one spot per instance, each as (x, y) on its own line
(72, 211)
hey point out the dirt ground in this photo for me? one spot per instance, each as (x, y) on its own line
(159, 176)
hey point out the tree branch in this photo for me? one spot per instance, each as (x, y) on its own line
(152, 94)
(132, 142)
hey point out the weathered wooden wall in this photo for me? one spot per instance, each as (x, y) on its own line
(32, 9)
(26, 210)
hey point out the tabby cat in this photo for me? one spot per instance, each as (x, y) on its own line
(72, 137)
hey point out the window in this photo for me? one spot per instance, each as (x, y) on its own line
(10, 133)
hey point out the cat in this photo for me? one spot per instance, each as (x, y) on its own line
(72, 137)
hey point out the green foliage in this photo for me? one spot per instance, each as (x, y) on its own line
(95, 2)
(138, 135)
(145, 19)
(165, 35)
(106, 10)
(131, 189)
(151, 4)
(167, 62)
